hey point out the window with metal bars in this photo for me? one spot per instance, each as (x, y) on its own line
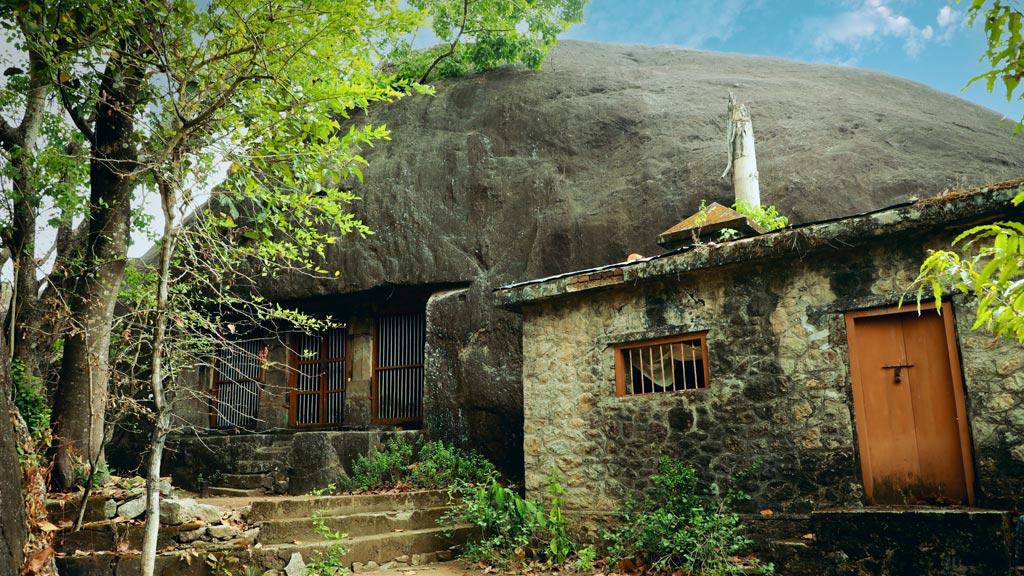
(317, 383)
(238, 377)
(398, 346)
(670, 364)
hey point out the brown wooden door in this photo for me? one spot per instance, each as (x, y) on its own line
(910, 414)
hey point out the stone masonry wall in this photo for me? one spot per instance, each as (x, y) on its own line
(779, 392)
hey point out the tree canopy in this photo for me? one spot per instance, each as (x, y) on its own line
(987, 261)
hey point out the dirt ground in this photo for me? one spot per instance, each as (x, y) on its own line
(453, 568)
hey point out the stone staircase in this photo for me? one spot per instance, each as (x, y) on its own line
(401, 528)
(886, 542)
(383, 530)
(263, 472)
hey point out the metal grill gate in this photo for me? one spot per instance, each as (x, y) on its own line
(318, 378)
(398, 368)
(238, 378)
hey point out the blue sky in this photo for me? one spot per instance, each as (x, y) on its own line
(924, 40)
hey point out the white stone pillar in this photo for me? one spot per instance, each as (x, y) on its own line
(742, 159)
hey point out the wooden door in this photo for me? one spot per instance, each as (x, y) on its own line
(909, 407)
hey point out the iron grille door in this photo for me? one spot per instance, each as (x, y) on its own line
(236, 387)
(398, 368)
(318, 378)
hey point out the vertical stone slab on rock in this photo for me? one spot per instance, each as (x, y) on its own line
(296, 566)
(473, 375)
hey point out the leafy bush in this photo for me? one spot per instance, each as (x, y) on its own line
(585, 559)
(767, 217)
(439, 465)
(30, 398)
(683, 526)
(511, 528)
(424, 465)
(383, 468)
(329, 562)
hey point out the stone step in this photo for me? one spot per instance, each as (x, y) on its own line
(211, 491)
(109, 536)
(120, 563)
(257, 466)
(378, 548)
(244, 481)
(303, 507)
(273, 452)
(381, 549)
(355, 525)
(931, 540)
(98, 508)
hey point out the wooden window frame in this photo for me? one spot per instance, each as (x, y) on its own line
(375, 370)
(959, 396)
(620, 351)
(296, 361)
(216, 381)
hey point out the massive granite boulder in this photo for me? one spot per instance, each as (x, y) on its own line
(513, 174)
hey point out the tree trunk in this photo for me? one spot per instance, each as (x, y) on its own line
(162, 427)
(742, 159)
(13, 530)
(28, 338)
(82, 390)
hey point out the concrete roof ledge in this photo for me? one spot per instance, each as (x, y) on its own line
(965, 207)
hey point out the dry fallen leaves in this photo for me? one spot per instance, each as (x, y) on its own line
(47, 526)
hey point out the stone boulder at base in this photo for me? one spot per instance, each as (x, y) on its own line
(512, 174)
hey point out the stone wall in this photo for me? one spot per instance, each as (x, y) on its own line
(779, 394)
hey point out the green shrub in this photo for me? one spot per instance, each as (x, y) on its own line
(425, 465)
(329, 562)
(510, 527)
(30, 398)
(767, 217)
(560, 546)
(383, 468)
(683, 526)
(440, 465)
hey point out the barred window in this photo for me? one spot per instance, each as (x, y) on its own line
(397, 392)
(318, 378)
(238, 377)
(670, 364)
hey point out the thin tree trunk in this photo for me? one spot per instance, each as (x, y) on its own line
(162, 427)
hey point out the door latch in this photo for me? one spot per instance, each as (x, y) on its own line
(896, 370)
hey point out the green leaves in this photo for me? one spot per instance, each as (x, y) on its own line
(683, 526)
(768, 217)
(988, 264)
(480, 35)
(1005, 52)
(511, 528)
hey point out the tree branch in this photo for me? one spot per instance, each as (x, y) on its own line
(76, 116)
(451, 48)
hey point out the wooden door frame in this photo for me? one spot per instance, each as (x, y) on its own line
(323, 394)
(953, 353)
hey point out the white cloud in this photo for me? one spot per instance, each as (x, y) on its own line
(868, 23)
(949, 20)
(947, 16)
